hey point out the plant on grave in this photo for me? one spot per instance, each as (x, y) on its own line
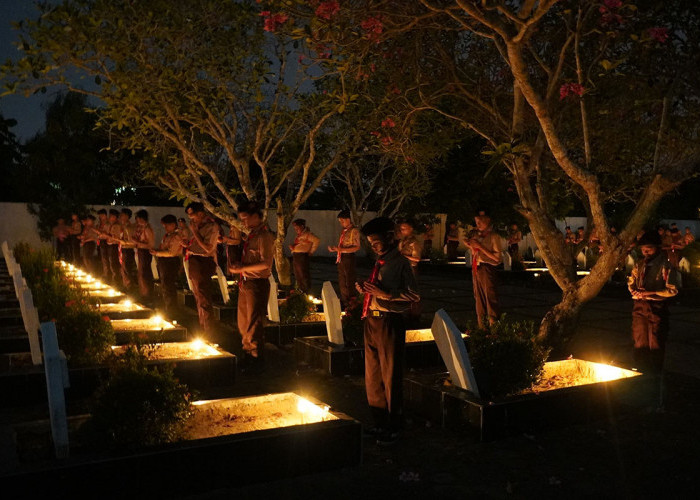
(21, 251)
(353, 326)
(296, 307)
(139, 406)
(83, 333)
(506, 356)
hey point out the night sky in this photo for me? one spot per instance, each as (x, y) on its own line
(26, 110)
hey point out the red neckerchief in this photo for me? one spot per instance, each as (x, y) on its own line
(372, 279)
(340, 242)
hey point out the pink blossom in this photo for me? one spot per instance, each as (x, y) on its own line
(373, 26)
(568, 89)
(375, 133)
(388, 122)
(387, 140)
(105, 318)
(658, 34)
(273, 21)
(327, 9)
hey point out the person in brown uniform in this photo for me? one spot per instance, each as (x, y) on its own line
(254, 285)
(169, 261)
(348, 245)
(452, 241)
(688, 237)
(61, 232)
(76, 228)
(88, 241)
(127, 250)
(408, 245)
(515, 236)
(102, 229)
(652, 281)
(145, 241)
(389, 292)
(113, 235)
(485, 246)
(201, 258)
(428, 240)
(304, 246)
(233, 245)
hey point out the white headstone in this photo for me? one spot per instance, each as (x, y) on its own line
(17, 280)
(223, 285)
(684, 265)
(629, 264)
(273, 308)
(507, 261)
(30, 317)
(581, 260)
(186, 265)
(453, 351)
(154, 268)
(332, 310)
(55, 380)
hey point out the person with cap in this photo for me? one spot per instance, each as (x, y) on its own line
(61, 232)
(348, 245)
(652, 282)
(389, 292)
(145, 240)
(255, 269)
(201, 259)
(76, 228)
(304, 246)
(485, 246)
(127, 250)
(169, 261)
(102, 229)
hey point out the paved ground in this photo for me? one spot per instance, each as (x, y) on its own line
(644, 453)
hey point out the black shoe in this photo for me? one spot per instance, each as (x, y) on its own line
(387, 438)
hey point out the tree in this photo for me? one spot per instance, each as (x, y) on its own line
(547, 85)
(10, 158)
(216, 95)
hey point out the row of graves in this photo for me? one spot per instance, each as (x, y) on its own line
(287, 433)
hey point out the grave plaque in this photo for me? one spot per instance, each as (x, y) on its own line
(331, 308)
(581, 259)
(453, 351)
(684, 265)
(55, 383)
(223, 285)
(273, 311)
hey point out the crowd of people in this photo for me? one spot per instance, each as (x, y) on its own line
(122, 252)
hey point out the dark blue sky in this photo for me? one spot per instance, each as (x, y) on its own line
(26, 110)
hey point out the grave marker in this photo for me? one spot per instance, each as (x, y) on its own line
(273, 310)
(581, 260)
(186, 265)
(223, 285)
(684, 265)
(30, 318)
(629, 264)
(331, 309)
(55, 383)
(538, 258)
(154, 269)
(453, 351)
(507, 261)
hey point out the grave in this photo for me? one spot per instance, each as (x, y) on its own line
(56, 380)
(153, 329)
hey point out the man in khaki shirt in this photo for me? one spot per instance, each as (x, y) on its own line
(127, 250)
(408, 246)
(348, 245)
(485, 246)
(254, 285)
(114, 231)
(201, 259)
(102, 229)
(144, 239)
(169, 255)
(304, 246)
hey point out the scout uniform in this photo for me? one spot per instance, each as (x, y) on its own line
(484, 277)
(103, 248)
(115, 232)
(349, 237)
(428, 240)
(202, 266)
(88, 240)
(304, 245)
(143, 235)
(233, 246)
(650, 316)
(127, 255)
(254, 289)
(76, 228)
(169, 261)
(408, 246)
(61, 233)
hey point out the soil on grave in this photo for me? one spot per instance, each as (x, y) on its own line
(173, 350)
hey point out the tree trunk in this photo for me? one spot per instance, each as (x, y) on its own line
(281, 260)
(558, 325)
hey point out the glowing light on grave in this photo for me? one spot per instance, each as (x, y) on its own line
(536, 275)
(127, 303)
(156, 319)
(197, 344)
(315, 301)
(307, 408)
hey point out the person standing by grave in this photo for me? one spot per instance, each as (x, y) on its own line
(201, 258)
(127, 251)
(304, 246)
(233, 245)
(677, 244)
(169, 261)
(61, 232)
(88, 241)
(408, 245)
(652, 282)
(452, 241)
(348, 245)
(485, 246)
(102, 229)
(76, 228)
(255, 268)
(389, 292)
(428, 236)
(115, 231)
(688, 237)
(145, 241)
(515, 236)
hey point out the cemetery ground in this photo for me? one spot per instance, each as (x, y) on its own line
(638, 453)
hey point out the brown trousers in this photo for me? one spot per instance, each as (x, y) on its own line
(201, 270)
(168, 270)
(145, 273)
(385, 342)
(114, 265)
(253, 295)
(128, 267)
(650, 326)
(104, 258)
(346, 277)
(89, 256)
(302, 271)
(484, 282)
